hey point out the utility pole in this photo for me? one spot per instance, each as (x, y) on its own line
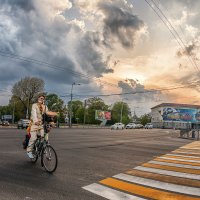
(13, 114)
(85, 103)
(27, 112)
(70, 111)
(122, 109)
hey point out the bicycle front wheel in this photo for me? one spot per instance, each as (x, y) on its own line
(49, 159)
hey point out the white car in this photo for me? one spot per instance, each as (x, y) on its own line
(139, 126)
(117, 126)
(148, 126)
(23, 123)
(130, 126)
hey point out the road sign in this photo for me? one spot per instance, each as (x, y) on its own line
(6, 117)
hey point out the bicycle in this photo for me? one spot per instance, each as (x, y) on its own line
(48, 155)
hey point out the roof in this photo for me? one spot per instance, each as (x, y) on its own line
(177, 105)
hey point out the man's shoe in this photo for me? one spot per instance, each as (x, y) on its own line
(30, 155)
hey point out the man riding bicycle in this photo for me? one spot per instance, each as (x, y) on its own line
(38, 111)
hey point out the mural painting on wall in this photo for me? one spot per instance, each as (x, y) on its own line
(181, 114)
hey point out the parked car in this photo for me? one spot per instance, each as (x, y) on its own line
(117, 126)
(139, 126)
(130, 126)
(23, 123)
(5, 123)
(148, 126)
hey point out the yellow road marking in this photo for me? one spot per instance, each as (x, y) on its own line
(189, 150)
(165, 178)
(192, 145)
(171, 168)
(145, 191)
(186, 153)
(177, 162)
(181, 157)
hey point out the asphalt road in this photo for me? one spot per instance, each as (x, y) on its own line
(85, 156)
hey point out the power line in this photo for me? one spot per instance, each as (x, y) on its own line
(188, 54)
(174, 35)
(55, 67)
(134, 92)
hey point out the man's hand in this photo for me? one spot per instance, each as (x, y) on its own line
(38, 123)
(52, 114)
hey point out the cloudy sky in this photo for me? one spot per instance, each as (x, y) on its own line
(146, 48)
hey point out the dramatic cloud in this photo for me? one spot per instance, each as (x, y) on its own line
(39, 31)
(139, 91)
(139, 95)
(120, 24)
(190, 50)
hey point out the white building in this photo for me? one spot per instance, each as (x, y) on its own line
(172, 115)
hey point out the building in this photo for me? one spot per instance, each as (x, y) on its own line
(177, 116)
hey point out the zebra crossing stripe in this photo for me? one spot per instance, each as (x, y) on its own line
(149, 193)
(170, 173)
(191, 145)
(184, 156)
(174, 164)
(173, 176)
(110, 193)
(185, 153)
(165, 178)
(179, 161)
(171, 168)
(188, 150)
(159, 185)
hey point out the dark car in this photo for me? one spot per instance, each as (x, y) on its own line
(23, 123)
(5, 123)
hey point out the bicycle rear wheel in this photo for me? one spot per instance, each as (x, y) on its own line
(49, 159)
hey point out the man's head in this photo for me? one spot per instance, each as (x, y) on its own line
(41, 98)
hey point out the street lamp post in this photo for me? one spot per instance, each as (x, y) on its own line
(27, 111)
(85, 104)
(70, 111)
(13, 114)
(122, 109)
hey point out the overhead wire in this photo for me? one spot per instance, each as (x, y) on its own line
(179, 37)
(134, 92)
(175, 33)
(25, 59)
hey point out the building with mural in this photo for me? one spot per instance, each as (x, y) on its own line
(172, 115)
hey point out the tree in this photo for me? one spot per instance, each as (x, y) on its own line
(26, 91)
(77, 111)
(94, 103)
(144, 119)
(120, 109)
(56, 104)
(17, 107)
(5, 110)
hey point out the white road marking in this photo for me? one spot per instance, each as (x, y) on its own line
(167, 158)
(158, 184)
(181, 155)
(110, 193)
(170, 173)
(174, 164)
